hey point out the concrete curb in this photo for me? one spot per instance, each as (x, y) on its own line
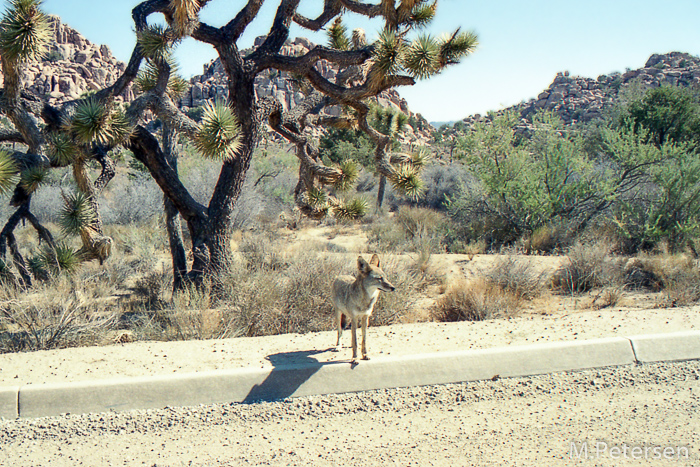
(316, 378)
(9, 402)
(250, 385)
(667, 347)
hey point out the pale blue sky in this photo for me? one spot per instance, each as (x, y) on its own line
(523, 43)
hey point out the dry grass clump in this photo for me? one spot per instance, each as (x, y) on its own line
(57, 315)
(588, 265)
(678, 277)
(411, 282)
(498, 293)
(276, 301)
(475, 301)
(547, 239)
(411, 229)
(517, 276)
(263, 252)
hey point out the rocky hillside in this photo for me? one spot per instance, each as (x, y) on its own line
(576, 99)
(74, 66)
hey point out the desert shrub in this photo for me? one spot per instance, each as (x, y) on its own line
(129, 200)
(443, 182)
(296, 299)
(411, 229)
(57, 315)
(517, 276)
(277, 301)
(152, 288)
(475, 301)
(682, 286)
(262, 251)
(642, 272)
(587, 265)
(549, 238)
(411, 282)
(676, 276)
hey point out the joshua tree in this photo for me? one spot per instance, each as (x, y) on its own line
(77, 131)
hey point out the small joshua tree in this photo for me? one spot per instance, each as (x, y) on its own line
(229, 131)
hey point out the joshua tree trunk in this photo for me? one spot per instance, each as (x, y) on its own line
(380, 192)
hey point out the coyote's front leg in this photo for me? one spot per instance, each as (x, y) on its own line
(365, 323)
(353, 331)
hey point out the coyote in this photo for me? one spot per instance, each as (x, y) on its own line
(355, 298)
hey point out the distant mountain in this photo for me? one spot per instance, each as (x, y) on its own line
(575, 98)
(439, 124)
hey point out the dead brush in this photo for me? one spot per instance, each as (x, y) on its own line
(262, 251)
(290, 300)
(680, 277)
(411, 282)
(475, 301)
(191, 316)
(53, 317)
(517, 276)
(587, 266)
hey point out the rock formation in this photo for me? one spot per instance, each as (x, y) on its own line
(72, 67)
(577, 99)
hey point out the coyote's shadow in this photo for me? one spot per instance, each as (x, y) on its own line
(290, 370)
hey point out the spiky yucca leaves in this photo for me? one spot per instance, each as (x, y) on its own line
(58, 259)
(77, 214)
(420, 158)
(338, 35)
(185, 14)
(147, 79)
(155, 42)
(219, 133)
(351, 210)
(387, 120)
(387, 56)
(406, 180)
(61, 149)
(350, 171)
(37, 267)
(94, 123)
(422, 57)
(32, 177)
(316, 198)
(457, 46)
(25, 31)
(422, 14)
(8, 172)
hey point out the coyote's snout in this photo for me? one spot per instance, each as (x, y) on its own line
(355, 297)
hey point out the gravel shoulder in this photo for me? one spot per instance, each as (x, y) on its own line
(510, 422)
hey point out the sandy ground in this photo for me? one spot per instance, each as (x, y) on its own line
(154, 358)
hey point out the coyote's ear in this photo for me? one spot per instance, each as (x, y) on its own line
(374, 261)
(362, 265)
